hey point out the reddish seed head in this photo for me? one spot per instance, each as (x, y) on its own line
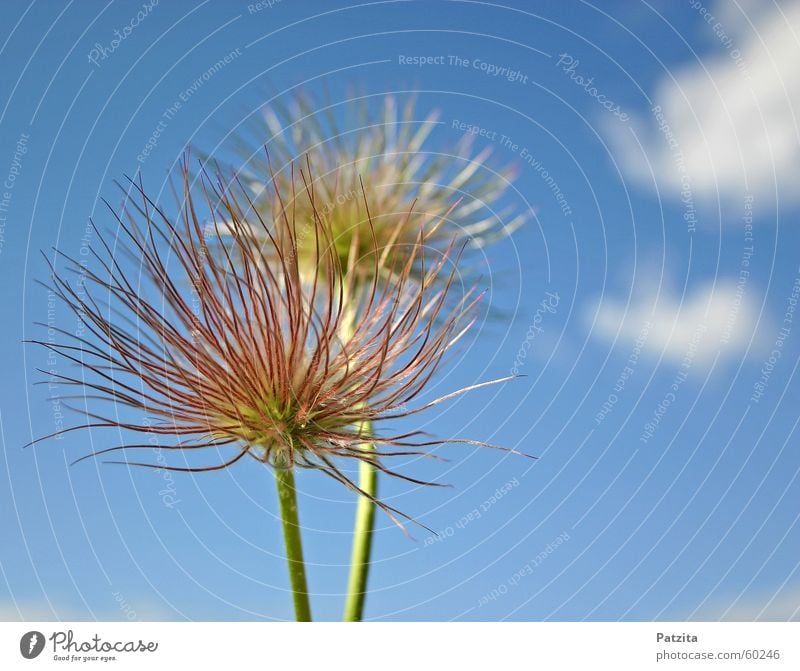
(232, 346)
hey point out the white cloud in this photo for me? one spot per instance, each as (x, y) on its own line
(36, 611)
(734, 115)
(715, 317)
(781, 607)
(40, 611)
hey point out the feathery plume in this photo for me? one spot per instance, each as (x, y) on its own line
(389, 146)
(239, 352)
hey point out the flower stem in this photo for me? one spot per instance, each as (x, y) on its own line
(284, 477)
(362, 538)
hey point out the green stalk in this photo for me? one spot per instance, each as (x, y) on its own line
(365, 515)
(362, 538)
(284, 477)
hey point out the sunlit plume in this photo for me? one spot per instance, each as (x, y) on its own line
(389, 149)
(203, 327)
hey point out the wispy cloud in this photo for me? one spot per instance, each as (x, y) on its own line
(712, 318)
(783, 606)
(31, 610)
(731, 121)
(37, 611)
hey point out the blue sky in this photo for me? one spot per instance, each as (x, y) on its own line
(667, 479)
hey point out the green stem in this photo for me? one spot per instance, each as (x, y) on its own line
(284, 477)
(362, 538)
